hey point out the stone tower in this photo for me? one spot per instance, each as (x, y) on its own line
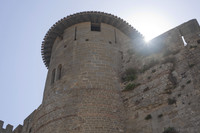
(102, 78)
(83, 57)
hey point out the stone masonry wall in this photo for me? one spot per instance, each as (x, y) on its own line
(87, 96)
(93, 94)
(8, 129)
(166, 92)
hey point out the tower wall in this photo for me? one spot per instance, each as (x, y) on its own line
(86, 98)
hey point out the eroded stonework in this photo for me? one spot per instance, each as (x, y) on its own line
(87, 90)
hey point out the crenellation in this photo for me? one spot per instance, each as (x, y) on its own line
(8, 129)
(1, 124)
(109, 80)
(18, 129)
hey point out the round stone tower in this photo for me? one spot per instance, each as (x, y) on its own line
(82, 91)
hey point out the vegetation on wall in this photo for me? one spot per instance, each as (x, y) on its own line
(171, 101)
(131, 86)
(189, 81)
(170, 130)
(191, 65)
(129, 75)
(148, 117)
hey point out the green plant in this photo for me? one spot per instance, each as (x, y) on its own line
(170, 130)
(189, 81)
(171, 101)
(129, 75)
(191, 65)
(131, 86)
(148, 117)
(153, 71)
(193, 47)
(160, 115)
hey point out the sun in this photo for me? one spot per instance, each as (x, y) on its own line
(150, 24)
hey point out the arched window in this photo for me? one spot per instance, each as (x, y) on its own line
(59, 71)
(53, 76)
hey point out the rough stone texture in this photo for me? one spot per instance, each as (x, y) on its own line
(89, 96)
(173, 73)
(8, 128)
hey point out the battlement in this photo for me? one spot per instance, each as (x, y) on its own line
(8, 129)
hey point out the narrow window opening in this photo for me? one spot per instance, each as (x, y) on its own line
(53, 76)
(30, 130)
(115, 36)
(59, 71)
(184, 42)
(95, 27)
(75, 33)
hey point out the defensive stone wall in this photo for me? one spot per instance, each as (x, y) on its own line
(107, 81)
(165, 94)
(8, 129)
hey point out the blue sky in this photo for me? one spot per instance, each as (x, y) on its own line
(24, 23)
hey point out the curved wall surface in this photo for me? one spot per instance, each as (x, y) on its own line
(85, 97)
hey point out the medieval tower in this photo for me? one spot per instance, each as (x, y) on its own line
(103, 78)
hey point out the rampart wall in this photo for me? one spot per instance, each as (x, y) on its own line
(95, 93)
(166, 92)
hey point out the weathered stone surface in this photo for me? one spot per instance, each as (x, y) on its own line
(84, 92)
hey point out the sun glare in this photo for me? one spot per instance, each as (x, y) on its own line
(149, 24)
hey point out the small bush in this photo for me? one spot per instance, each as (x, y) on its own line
(170, 130)
(129, 75)
(193, 47)
(191, 65)
(189, 81)
(153, 71)
(160, 115)
(171, 101)
(130, 86)
(149, 77)
(148, 117)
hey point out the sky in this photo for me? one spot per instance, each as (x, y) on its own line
(24, 23)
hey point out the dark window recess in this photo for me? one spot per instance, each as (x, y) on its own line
(53, 76)
(30, 130)
(75, 33)
(95, 27)
(59, 71)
